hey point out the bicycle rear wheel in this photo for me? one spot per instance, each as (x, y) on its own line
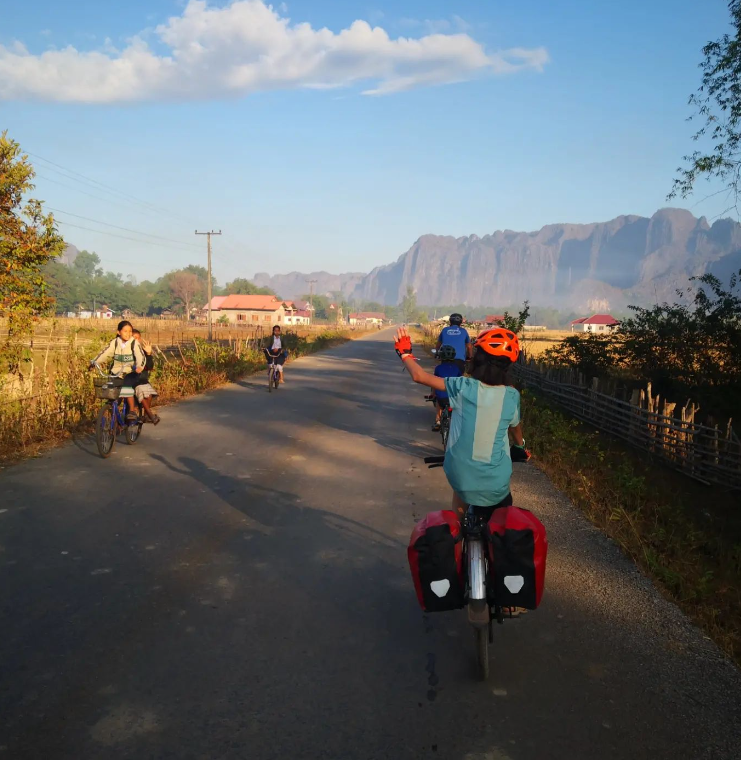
(133, 431)
(481, 634)
(276, 379)
(445, 430)
(105, 435)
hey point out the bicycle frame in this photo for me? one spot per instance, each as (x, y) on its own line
(117, 419)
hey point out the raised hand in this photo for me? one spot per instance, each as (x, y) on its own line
(403, 343)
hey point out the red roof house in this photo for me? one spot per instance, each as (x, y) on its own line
(597, 323)
(494, 319)
(252, 310)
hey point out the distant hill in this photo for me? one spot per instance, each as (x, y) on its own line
(295, 284)
(606, 265)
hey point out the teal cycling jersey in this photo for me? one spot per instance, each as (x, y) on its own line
(477, 460)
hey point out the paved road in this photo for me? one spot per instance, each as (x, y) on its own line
(235, 586)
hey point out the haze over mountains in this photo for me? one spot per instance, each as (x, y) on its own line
(630, 259)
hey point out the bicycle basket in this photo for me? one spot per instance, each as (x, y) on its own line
(107, 382)
(107, 392)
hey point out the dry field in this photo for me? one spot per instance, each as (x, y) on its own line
(536, 343)
(58, 333)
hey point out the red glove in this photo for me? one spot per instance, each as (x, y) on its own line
(403, 347)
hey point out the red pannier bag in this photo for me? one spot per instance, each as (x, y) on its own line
(436, 560)
(517, 554)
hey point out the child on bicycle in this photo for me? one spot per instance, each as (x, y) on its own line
(274, 351)
(128, 361)
(477, 464)
(143, 389)
(448, 367)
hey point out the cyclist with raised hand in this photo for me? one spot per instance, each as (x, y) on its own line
(447, 368)
(478, 464)
(457, 336)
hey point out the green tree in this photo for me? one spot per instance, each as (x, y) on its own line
(517, 323)
(408, 305)
(186, 287)
(242, 286)
(321, 305)
(28, 241)
(87, 265)
(717, 106)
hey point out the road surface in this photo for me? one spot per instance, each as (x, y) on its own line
(235, 586)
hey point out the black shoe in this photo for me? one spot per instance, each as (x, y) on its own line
(436, 427)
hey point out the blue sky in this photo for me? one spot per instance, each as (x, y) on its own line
(504, 114)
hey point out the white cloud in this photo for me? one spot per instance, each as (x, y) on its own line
(245, 47)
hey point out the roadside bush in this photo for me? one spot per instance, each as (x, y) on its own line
(62, 398)
(689, 348)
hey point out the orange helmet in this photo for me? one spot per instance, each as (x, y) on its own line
(499, 342)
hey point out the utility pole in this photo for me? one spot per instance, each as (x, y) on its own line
(208, 237)
(311, 297)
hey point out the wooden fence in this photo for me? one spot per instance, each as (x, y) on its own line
(708, 453)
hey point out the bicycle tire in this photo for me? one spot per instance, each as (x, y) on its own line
(134, 431)
(445, 431)
(481, 635)
(276, 379)
(270, 381)
(105, 436)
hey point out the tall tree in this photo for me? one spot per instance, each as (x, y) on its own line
(718, 108)
(87, 264)
(408, 305)
(28, 240)
(185, 287)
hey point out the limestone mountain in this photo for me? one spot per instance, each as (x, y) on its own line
(295, 284)
(630, 259)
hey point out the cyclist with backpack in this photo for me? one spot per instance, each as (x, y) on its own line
(457, 336)
(446, 368)
(128, 361)
(143, 388)
(478, 464)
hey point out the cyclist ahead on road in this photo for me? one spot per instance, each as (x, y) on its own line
(275, 352)
(447, 368)
(477, 461)
(457, 336)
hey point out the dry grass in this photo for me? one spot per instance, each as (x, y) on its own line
(535, 344)
(59, 397)
(685, 536)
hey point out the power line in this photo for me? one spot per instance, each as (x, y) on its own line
(92, 195)
(125, 229)
(110, 188)
(112, 234)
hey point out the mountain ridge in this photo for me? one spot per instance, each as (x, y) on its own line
(628, 259)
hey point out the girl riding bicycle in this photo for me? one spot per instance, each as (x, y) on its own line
(275, 353)
(128, 360)
(477, 465)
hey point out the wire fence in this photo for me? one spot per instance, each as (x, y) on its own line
(710, 454)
